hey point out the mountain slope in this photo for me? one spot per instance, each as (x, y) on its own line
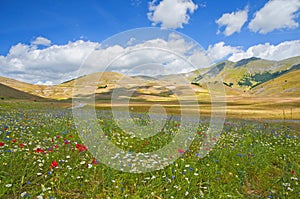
(251, 76)
(285, 85)
(11, 93)
(247, 73)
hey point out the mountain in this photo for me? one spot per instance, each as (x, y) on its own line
(246, 77)
(287, 84)
(11, 93)
(247, 74)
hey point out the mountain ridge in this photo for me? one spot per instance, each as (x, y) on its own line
(240, 77)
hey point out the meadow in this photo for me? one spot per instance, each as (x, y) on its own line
(42, 156)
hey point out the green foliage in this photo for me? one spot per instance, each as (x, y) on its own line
(262, 77)
(245, 81)
(256, 79)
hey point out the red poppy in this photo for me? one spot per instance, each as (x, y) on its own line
(14, 140)
(54, 164)
(147, 142)
(94, 161)
(39, 150)
(58, 136)
(1, 143)
(292, 172)
(180, 151)
(199, 133)
(81, 147)
(22, 145)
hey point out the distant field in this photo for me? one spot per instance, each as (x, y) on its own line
(244, 107)
(236, 107)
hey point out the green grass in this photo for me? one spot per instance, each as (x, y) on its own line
(250, 159)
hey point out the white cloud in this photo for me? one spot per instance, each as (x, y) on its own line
(268, 51)
(220, 51)
(200, 59)
(233, 21)
(171, 13)
(57, 63)
(276, 14)
(171, 53)
(41, 41)
(47, 83)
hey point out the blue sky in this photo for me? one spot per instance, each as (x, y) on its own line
(61, 22)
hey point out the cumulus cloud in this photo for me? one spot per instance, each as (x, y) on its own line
(276, 14)
(172, 53)
(57, 63)
(271, 52)
(41, 41)
(220, 50)
(233, 22)
(54, 63)
(171, 13)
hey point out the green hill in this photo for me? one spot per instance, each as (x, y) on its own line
(286, 85)
(247, 74)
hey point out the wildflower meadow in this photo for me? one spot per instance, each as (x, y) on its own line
(42, 156)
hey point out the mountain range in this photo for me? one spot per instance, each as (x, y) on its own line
(247, 77)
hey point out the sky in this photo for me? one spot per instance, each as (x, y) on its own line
(46, 42)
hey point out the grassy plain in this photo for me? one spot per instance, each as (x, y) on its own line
(42, 155)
